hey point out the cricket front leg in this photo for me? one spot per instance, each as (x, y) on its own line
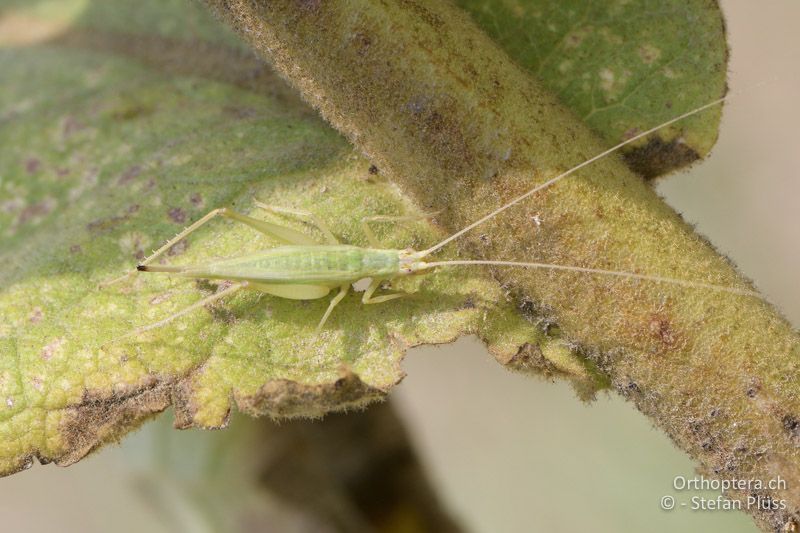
(367, 299)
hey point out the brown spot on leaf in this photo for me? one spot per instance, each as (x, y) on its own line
(240, 112)
(129, 175)
(791, 425)
(309, 5)
(36, 211)
(196, 199)
(754, 387)
(12, 205)
(160, 298)
(104, 224)
(630, 388)
(424, 14)
(178, 248)
(286, 398)
(33, 165)
(135, 243)
(529, 359)
(574, 39)
(69, 126)
(52, 348)
(703, 433)
(661, 329)
(362, 42)
(649, 53)
(177, 215)
(36, 315)
(657, 158)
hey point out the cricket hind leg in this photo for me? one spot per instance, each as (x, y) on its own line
(281, 233)
(373, 240)
(305, 216)
(200, 303)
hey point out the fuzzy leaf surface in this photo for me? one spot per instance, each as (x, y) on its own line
(123, 122)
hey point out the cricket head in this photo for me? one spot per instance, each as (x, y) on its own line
(411, 262)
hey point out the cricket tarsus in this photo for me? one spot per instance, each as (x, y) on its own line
(304, 269)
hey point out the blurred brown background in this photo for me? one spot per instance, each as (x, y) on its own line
(513, 454)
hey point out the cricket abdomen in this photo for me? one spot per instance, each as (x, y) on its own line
(331, 265)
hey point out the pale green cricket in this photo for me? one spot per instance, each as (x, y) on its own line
(304, 269)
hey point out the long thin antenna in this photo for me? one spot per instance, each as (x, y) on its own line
(574, 169)
(601, 272)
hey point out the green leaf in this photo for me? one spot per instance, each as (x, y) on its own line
(126, 121)
(113, 141)
(622, 67)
